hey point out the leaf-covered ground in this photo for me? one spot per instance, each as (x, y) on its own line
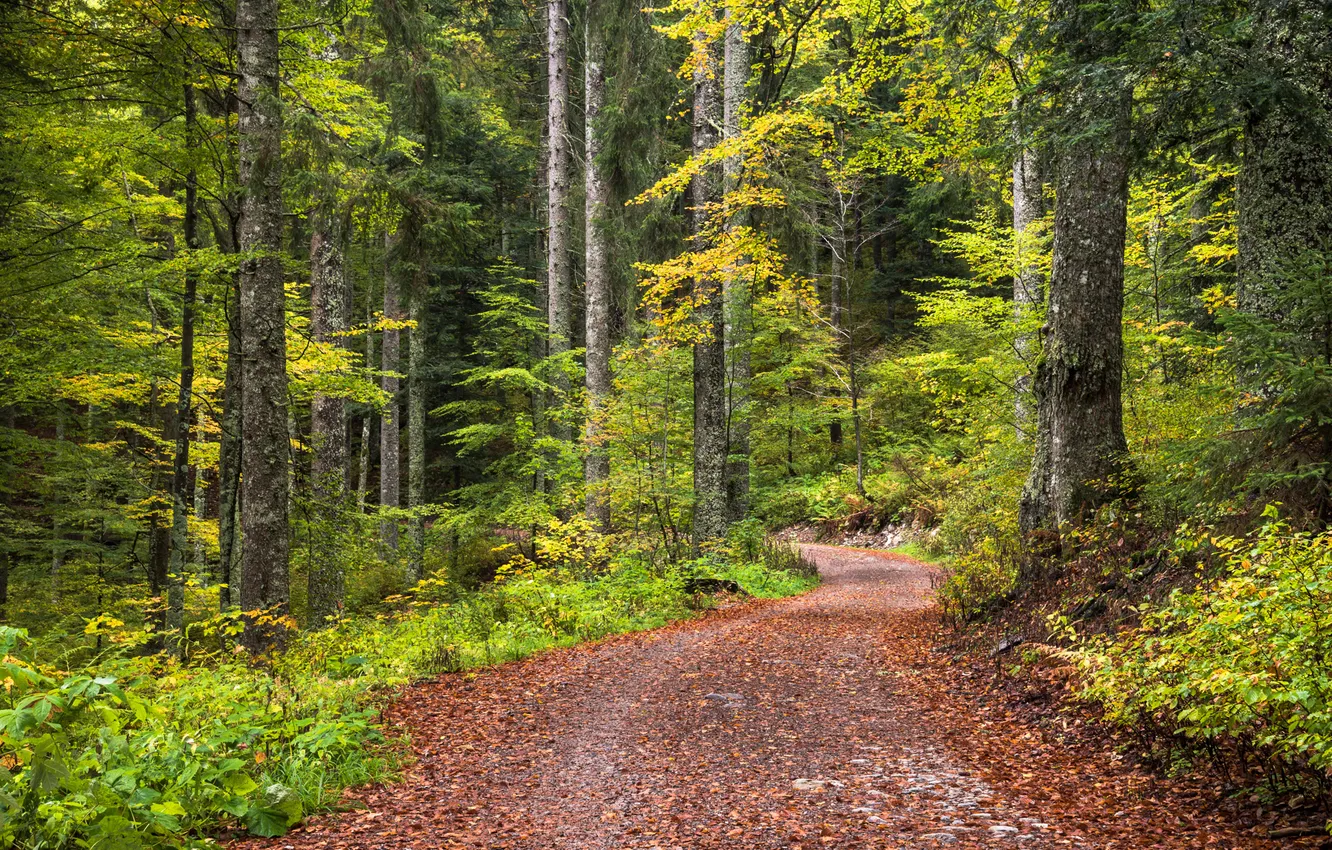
(820, 721)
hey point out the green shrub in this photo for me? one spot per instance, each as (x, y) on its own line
(1236, 669)
(141, 751)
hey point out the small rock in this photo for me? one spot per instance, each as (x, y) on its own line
(725, 697)
(1003, 830)
(939, 837)
(861, 761)
(875, 819)
(816, 785)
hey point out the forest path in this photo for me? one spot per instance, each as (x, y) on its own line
(818, 721)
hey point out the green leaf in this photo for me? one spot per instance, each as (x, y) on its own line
(239, 784)
(265, 822)
(170, 807)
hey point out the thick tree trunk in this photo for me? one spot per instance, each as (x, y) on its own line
(390, 438)
(1028, 208)
(229, 463)
(328, 415)
(559, 280)
(264, 485)
(416, 387)
(180, 473)
(597, 313)
(1284, 186)
(710, 347)
(1080, 446)
(737, 296)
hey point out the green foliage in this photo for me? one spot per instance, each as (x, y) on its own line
(138, 751)
(1236, 668)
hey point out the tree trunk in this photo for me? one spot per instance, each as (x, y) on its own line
(1028, 208)
(1080, 445)
(837, 289)
(1284, 186)
(264, 579)
(416, 387)
(229, 463)
(559, 282)
(710, 347)
(390, 438)
(596, 468)
(736, 294)
(367, 424)
(328, 415)
(180, 477)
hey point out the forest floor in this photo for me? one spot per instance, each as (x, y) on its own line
(826, 720)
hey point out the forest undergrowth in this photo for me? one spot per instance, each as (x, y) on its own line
(106, 745)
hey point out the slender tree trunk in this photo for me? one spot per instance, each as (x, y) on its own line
(559, 281)
(390, 438)
(1080, 445)
(1028, 294)
(200, 511)
(264, 578)
(180, 477)
(229, 462)
(836, 293)
(416, 388)
(328, 415)
(710, 348)
(737, 297)
(367, 423)
(596, 469)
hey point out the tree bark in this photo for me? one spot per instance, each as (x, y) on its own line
(1284, 186)
(597, 313)
(367, 424)
(1080, 445)
(229, 463)
(709, 314)
(180, 473)
(390, 438)
(416, 387)
(839, 247)
(264, 485)
(328, 415)
(1028, 292)
(736, 294)
(559, 281)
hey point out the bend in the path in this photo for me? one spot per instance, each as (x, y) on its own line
(818, 721)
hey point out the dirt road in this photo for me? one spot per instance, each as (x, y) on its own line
(819, 721)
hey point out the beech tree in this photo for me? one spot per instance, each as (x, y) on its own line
(265, 459)
(597, 292)
(710, 447)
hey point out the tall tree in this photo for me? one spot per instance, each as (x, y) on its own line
(416, 389)
(264, 486)
(1285, 178)
(1080, 444)
(736, 294)
(559, 279)
(709, 313)
(390, 424)
(180, 473)
(597, 290)
(328, 415)
(1028, 292)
